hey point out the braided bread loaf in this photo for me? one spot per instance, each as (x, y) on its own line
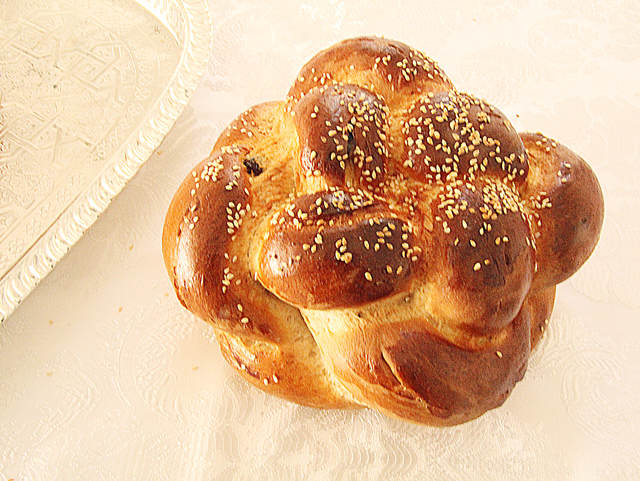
(380, 239)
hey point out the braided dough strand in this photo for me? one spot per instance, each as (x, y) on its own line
(379, 239)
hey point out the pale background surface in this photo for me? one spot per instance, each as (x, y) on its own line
(104, 376)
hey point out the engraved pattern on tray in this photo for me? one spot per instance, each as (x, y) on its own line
(88, 89)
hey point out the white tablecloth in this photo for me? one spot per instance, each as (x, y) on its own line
(104, 376)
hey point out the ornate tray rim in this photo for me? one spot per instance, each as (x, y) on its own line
(191, 20)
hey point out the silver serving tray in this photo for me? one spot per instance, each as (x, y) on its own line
(88, 90)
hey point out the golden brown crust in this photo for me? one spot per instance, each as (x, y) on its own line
(342, 131)
(292, 370)
(540, 305)
(567, 206)
(407, 369)
(482, 262)
(476, 139)
(335, 249)
(390, 68)
(380, 239)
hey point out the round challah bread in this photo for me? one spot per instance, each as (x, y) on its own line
(380, 239)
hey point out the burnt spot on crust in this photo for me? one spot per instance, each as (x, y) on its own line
(252, 166)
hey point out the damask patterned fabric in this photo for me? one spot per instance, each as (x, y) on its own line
(103, 375)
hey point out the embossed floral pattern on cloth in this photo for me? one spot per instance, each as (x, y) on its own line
(105, 376)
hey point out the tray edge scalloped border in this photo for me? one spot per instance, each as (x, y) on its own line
(45, 253)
